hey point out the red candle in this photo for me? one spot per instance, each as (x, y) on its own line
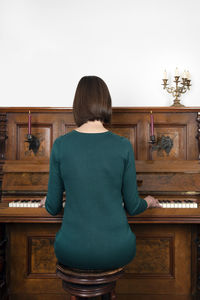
(152, 124)
(29, 122)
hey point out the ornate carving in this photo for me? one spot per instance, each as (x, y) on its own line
(160, 259)
(34, 143)
(198, 132)
(3, 135)
(163, 143)
(41, 257)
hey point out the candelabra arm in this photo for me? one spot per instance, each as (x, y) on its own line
(170, 90)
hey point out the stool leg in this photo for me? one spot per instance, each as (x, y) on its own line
(73, 297)
(113, 295)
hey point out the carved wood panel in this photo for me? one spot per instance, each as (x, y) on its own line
(178, 135)
(169, 182)
(32, 260)
(154, 257)
(44, 135)
(181, 128)
(46, 127)
(162, 264)
(41, 260)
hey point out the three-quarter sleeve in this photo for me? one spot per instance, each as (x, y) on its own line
(54, 198)
(133, 204)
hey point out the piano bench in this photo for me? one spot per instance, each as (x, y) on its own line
(89, 283)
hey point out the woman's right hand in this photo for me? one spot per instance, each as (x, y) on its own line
(152, 202)
(42, 202)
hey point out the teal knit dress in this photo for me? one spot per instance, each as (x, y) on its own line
(97, 172)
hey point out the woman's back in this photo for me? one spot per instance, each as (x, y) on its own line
(97, 171)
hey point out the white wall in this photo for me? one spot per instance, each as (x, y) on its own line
(46, 46)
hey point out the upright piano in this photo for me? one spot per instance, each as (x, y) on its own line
(167, 263)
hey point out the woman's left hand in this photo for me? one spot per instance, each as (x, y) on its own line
(42, 202)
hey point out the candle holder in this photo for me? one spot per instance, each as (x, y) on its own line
(162, 143)
(34, 143)
(177, 90)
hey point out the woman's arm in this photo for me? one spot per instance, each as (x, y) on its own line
(53, 203)
(132, 202)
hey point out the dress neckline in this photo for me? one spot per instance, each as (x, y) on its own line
(91, 133)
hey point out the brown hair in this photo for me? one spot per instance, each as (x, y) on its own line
(92, 101)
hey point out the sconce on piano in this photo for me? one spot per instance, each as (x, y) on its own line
(34, 143)
(162, 143)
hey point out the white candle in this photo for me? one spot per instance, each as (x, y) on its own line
(184, 74)
(188, 75)
(176, 72)
(165, 75)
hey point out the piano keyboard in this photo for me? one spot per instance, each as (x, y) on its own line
(27, 203)
(178, 204)
(24, 203)
(163, 203)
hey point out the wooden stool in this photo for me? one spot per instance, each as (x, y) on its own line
(89, 283)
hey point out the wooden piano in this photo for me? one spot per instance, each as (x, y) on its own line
(167, 263)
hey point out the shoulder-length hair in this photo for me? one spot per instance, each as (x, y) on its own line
(92, 101)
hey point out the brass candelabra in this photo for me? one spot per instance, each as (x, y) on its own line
(177, 90)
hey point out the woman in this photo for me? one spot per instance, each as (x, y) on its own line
(96, 168)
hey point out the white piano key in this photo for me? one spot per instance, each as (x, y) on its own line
(175, 204)
(179, 204)
(187, 205)
(37, 203)
(183, 205)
